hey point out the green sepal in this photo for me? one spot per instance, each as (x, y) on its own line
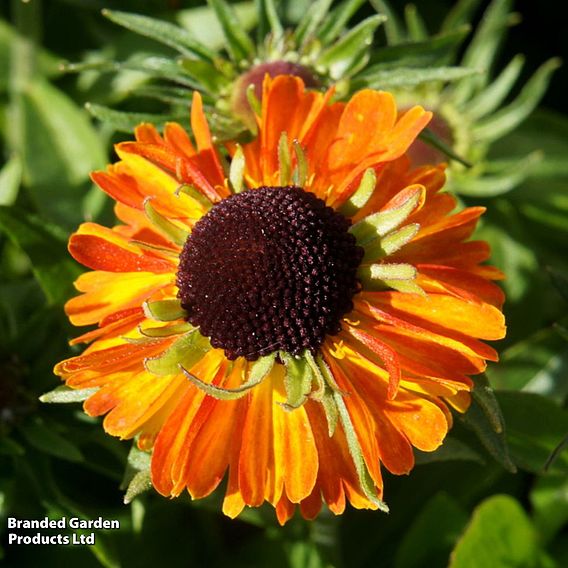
(318, 392)
(350, 53)
(166, 331)
(164, 310)
(284, 162)
(173, 232)
(259, 371)
(300, 173)
(237, 170)
(331, 412)
(298, 380)
(327, 374)
(193, 193)
(141, 482)
(361, 194)
(406, 286)
(366, 482)
(186, 351)
(397, 239)
(381, 223)
(137, 475)
(64, 395)
(159, 30)
(239, 45)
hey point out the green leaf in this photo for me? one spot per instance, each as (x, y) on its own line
(127, 121)
(311, 20)
(10, 179)
(45, 245)
(451, 450)
(485, 418)
(432, 51)
(535, 427)
(393, 29)
(432, 534)
(536, 364)
(59, 148)
(204, 25)
(484, 47)
(549, 500)
(408, 77)
(349, 54)
(238, 43)
(43, 437)
(337, 20)
(491, 98)
(460, 14)
(499, 534)
(492, 185)
(416, 27)
(435, 141)
(268, 20)
(208, 75)
(508, 118)
(559, 281)
(65, 394)
(164, 32)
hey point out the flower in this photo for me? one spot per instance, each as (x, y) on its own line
(298, 324)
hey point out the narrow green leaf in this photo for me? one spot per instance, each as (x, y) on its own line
(365, 480)
(10, 180)
(491, 97)
(484, 417)
(484, 46)
(391, 243)
(387, 271)
(381, 223)
(416, 28)
(258, 372)
(499, 534)
(164, 32)
(63, 394)
(166, 331)
(311, 20)
(46, 246)
(239, 45)
(460, 14)
(162, 68)
(298, 380)
(348, 54)
(393, 28)
(164, 225)
(206, 74)
(268, 20)
(127, 121)
(300, 173)
(331, 411)
(317, 377)
(411, 76)
(164, 310)
(491, 185)
(362, 194)
(433, 51)
(186, 351)
(337, 20)
(508, 118)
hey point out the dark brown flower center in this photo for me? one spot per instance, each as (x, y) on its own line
(269, 269)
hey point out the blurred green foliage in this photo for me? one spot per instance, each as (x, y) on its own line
(462, 506)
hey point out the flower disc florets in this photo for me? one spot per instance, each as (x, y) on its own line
(269, 269)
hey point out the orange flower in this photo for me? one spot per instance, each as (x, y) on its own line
(245, 327)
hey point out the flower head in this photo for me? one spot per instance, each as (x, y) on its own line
(297, 324)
